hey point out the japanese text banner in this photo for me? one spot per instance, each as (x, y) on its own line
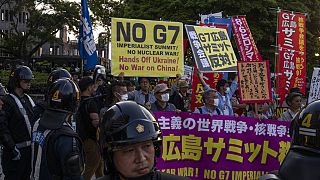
(211, 78)
(147, 48)
(291, 61)
(221, 147)
(254, 81)
(211, 48)
(246, 45)
(314, 93)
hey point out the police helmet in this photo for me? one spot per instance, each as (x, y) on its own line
(57, 74)
(18, 74)
(128, 123)
(306, 128)
(99, 73)
(63, 95)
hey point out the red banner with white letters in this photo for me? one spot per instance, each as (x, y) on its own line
(291, 61)
(211, 78)
(246, 45)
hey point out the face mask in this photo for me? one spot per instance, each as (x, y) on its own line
(165, 97)
(227, 90)
(124, 97)
(216, 102)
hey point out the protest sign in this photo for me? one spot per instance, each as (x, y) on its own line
(254, 81)
(221, 147)
(246, 45)
(213, 20)
(210, 78)
(291, 61)
(211, 48)
(314, 93)
(146, 48)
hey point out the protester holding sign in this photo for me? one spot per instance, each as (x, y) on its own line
(294, 102)
(224, 93)
(210, 99)
(181, 98)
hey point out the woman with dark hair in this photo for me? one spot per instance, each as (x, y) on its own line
(294, 102)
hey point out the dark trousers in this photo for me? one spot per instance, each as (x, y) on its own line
(17, 170)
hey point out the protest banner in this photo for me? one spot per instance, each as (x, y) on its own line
(146, 48)
(213, 20)
(280, 111)
(221, 147)
(86, 44)
(254, 81)
(247, 47)
(211, 48)
(314, 93)
(291, 61)
(210, 78)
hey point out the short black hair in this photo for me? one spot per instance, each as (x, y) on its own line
(221, 83)
(85, 82)
(292, 95)
(140, 78)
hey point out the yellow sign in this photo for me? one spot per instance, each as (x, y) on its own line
(211, 48)
(146, 48)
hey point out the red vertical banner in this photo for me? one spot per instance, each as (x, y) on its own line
(291, 61)
(246, 45)
(210, 78)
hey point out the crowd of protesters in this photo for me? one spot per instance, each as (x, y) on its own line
(99, 92)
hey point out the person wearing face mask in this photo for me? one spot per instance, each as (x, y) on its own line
(211, 103)
(161, 92)
(224, 92)
(87, 126)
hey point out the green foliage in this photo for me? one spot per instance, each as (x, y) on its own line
(45, 19)
(38, 85)
(261, 17)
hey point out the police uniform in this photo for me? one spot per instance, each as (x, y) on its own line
(303, 159)
(56, 149)
(15, 128)
(119, 127)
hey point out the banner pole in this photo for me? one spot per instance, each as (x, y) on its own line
(276, 56)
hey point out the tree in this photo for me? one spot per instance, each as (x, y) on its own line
(45, 19)
(261, 17)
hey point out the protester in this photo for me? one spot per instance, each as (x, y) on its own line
(224, 93)
(133, 139)
(56, 149)
(87, 127)
(211, 102)
(303, 159)
(294, 102)
(143, 96)
(15, 125)
(161, 92)
(181, 98)
(258, 110)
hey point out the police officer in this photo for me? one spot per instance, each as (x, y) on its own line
(56, 148)
(132, 138)
(303, 158)
(53, 76)
(15, 125)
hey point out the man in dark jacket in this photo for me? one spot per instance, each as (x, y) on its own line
(15, 125)
(56, 149)
(133, 138)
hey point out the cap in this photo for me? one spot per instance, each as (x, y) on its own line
(161, 88)
(85, 82)
(183, 84)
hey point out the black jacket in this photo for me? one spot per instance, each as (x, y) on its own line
(154, 175)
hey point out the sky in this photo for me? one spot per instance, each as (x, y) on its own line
(96, 30)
